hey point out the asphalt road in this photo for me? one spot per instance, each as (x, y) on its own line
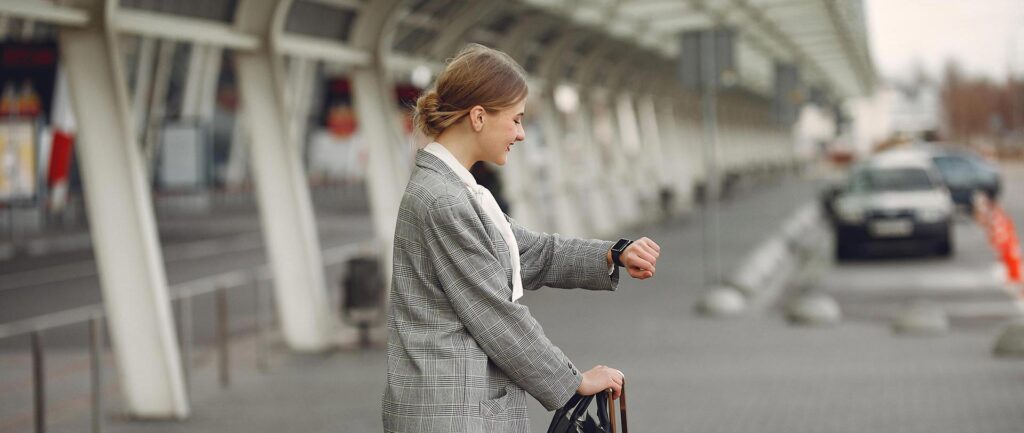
(687, 373)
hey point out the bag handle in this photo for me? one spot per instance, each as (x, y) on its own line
(575, 408)
(622, 409)
(603, 403)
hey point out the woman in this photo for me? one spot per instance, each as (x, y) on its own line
(462, 353)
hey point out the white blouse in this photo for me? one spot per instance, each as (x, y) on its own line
(490, 205)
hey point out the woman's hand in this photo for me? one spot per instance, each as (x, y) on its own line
(640, 257)
(600, 379)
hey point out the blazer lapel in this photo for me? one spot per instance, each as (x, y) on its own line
(428, 161)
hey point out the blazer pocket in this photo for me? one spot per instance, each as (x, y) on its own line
(495, 408)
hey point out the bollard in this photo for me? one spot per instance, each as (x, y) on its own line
(721, 301)
(814, 309)
(96, 357)
(223, 353)
(38, 381)
(1010, 342)
(922, 318)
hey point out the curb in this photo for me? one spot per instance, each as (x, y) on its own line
(794, 255)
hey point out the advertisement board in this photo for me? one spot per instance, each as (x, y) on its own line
(183, 158)
(17, 161)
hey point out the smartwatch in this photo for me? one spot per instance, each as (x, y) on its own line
(617, 250)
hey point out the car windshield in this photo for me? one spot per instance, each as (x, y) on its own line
(891, 179)
(983, 168)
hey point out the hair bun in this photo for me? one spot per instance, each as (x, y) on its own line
(427, 113)
(477, 76)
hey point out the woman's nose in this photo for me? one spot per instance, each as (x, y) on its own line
(521, 135)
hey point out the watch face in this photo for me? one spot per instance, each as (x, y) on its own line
(620, 245)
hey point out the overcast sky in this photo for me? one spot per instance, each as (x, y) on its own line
(977, 33)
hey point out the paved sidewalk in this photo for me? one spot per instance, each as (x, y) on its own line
(685, 373)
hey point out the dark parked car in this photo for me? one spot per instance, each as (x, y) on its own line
(966, 173)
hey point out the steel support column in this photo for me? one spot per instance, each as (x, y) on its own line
(523, 172)
(301, 78)
(281, 186)
(564, 171)
(652, 150)
(143, 81)
(131, 269)
(631, 193)
(678, 163)
(600, 201)
(374, 100)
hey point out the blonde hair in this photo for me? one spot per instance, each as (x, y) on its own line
(478, 75)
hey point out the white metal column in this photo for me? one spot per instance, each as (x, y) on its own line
(373, 97)
(301, 77)
(124, 233)
(143, 81)
(201, 83)
(678, 160)
(596, 176)
(652, 151)
(601, 201)
(281, 187)
(158, 102)
(568, 218)
(529, 163)
(633, 194)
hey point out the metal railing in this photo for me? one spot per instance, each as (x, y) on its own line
(182, 296)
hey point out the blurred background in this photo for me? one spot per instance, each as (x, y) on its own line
(198, 198)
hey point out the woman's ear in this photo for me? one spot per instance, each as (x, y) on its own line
(476, 117)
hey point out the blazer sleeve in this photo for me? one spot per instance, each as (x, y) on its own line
(554, 260)
(476, 284)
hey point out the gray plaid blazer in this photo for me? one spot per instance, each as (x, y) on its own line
(461, 354)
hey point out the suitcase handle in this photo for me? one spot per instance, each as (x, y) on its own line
(622, 409)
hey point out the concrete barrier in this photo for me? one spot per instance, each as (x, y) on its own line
(722, 301)
(791, 258)
(814, 309)
(922, 318)
(774, 264)
(1011, 340)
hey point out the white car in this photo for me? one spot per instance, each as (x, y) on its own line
(894, 196)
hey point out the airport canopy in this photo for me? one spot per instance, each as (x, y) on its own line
(824, 39)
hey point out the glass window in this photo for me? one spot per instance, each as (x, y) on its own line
(955, 171)
(891, 179)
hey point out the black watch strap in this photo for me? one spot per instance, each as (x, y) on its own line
(617, 250)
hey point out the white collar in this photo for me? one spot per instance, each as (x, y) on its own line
(438, 150)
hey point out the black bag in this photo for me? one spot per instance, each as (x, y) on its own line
(575, 418)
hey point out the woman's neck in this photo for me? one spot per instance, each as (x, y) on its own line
(461, 146)
(462, 149)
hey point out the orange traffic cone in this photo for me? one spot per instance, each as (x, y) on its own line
(1011, 257)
